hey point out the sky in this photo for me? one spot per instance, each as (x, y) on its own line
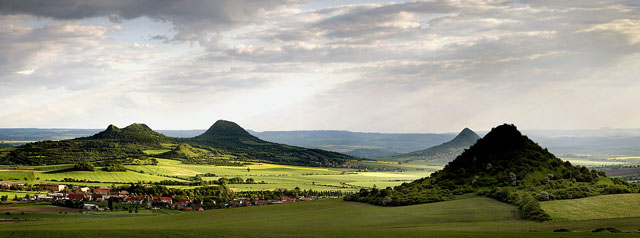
(372, 66)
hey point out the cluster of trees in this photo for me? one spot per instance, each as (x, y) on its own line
(83, 166)
(115, 167)
(236, 180)
(69, 203)
(297, 192)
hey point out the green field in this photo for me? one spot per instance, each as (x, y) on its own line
(274, 176)
(477, 217)
(599, 207)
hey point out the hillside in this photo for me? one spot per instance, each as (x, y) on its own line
(233, 139)
(508, 166)
(111, 145)
(443, 153)
(360, 144)
(225, 143)
(189, 155)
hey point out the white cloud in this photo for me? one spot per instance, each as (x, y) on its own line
(397, 66)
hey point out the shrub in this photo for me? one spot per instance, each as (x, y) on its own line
(82, 166)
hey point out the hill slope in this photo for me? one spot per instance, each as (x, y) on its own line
(230, 137)
(509, 167)
(443, 153)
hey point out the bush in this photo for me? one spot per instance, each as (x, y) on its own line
(82, 166)
(113, 167)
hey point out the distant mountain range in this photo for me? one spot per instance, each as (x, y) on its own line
(379, 145)
(223, 142)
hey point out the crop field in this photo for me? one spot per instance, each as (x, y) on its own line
(274, 176)
(592, 163)
(599, 207)
(477, 216)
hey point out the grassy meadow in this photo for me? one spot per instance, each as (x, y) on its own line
(476, 216)
(590, 208)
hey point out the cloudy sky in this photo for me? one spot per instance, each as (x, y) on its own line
(414, 66)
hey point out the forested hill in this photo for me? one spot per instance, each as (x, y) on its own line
(134, 133)
(223, 144)
(443, 153)
(507, 166)
(227, 135)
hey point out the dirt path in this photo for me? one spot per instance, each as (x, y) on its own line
(48, 209)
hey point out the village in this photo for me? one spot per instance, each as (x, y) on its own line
(103, 198)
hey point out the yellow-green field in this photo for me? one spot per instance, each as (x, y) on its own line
(274, 176)
(589, 163)
(599, 207)
(284, 176)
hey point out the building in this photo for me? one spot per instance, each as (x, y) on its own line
(91, 207)
(53, 187)
(85, 190)
(166, 200)
(9, 184)
(103, 191)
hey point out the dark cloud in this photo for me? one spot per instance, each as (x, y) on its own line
(193, 19)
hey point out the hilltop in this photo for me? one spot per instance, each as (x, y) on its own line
(134, 133)
(224, 143)
(505, 165)
(443, 153)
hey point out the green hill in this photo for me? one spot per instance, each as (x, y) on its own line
(109, 146)
(234, 140)
(225, 143)
(443, 153)
(133, 134)
(507, 166)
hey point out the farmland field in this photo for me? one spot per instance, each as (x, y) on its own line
(599, 207)
(478, 217)
(267, 176)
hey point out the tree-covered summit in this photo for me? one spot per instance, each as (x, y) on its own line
(134, 133)
(221, 130)
(505, 165)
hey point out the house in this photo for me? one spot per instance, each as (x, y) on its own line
(76, 196)
(261, 202)
(185, 202)
(103, 191)
(287, 199)
(166, 200)
(43, 198)
(8, 184)
(199, 208)
(85, 190)
(53, 187)
(187, 208)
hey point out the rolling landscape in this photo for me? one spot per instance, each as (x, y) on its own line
(315, 118)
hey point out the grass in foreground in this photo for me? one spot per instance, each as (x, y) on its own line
(598, 207)
(473, 217)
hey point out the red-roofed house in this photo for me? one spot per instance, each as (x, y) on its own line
(103, 191)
